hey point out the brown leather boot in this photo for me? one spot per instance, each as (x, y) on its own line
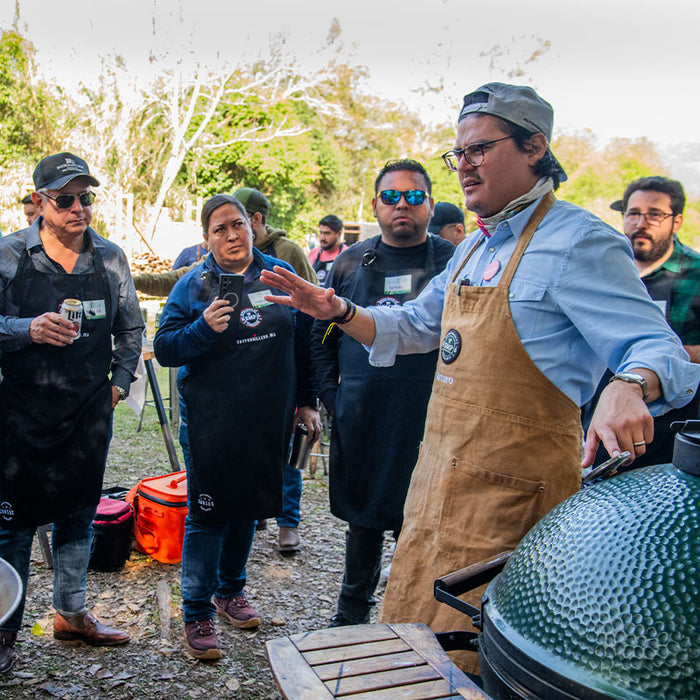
(288, 539)
(86, 628)
(7, 651)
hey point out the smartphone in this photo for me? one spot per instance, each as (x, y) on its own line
(605, 469)
(231, 289)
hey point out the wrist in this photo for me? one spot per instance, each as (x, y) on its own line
(633, 378)
(348, 314)
(123, 393)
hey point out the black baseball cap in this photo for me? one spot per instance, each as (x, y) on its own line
(53, 172)
(444, 214)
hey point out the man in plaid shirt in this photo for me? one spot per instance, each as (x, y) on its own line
(652, 214)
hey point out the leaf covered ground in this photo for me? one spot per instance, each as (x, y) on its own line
(293, 593)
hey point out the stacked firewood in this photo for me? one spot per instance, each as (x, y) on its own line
(147, 263)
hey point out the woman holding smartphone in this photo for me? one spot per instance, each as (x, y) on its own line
(246, 370)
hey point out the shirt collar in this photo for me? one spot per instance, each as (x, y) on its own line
(519, 221)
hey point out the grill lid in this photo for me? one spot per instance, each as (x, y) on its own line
(605, 590)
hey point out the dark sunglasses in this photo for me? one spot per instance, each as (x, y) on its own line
(412, 197)
(65, 201)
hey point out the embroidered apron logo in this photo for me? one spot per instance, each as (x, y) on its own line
(388, 301)
(250, 317)
(6, 510)
(205, 501)
(451, 346)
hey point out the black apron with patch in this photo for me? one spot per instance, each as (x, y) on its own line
(55, 403)
(379, 411)
(240, 398)
(322, 269)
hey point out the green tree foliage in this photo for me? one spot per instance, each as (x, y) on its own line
(27, 105)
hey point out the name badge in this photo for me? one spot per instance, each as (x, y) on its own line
(401, 284)
(257, 299)
(94, 309)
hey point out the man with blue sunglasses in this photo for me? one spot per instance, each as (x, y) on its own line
(378, 412)
(527, 315)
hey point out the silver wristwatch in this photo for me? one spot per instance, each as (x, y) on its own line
(122, 392)
(633, 378)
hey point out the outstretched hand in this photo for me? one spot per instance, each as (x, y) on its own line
(309, 298)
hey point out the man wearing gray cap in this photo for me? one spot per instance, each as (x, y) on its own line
(447, 222)
(528, 313)
(70, 336)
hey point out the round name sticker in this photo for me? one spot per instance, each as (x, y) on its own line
(451, 346)
(492, 270)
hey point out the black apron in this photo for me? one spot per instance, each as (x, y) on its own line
(55, 402)
(241, 397)
(322, 269)
(379, 411)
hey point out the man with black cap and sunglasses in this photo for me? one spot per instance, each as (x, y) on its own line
(378, 413)
(537, 302)
(69, 318)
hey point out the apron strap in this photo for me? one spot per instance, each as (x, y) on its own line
(542, 208)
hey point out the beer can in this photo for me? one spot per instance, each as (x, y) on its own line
(72, 309)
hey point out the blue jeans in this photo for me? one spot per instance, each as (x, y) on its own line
(71, 540)
(214, 558)
(291, 478)
(291, 497)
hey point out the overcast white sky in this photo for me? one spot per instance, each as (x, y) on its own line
(618, 67)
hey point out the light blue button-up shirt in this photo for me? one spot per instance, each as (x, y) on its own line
(576, 300)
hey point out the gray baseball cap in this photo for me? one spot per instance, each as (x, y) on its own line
(518, 104)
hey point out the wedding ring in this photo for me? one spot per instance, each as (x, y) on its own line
(639, 444)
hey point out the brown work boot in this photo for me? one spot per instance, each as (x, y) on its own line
(201, 640)
(86, 628)
(288, 539)
(238, 611)
(7, 651)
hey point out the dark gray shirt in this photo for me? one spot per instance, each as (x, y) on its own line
(127, 323)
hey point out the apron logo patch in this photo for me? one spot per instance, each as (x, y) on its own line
(451, 346)
(250, 317)
(388, 301)
(205, 501)
(7, 511)
(321, 274)
(95, 309)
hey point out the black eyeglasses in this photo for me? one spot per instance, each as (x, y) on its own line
(65, 201)
(473, 154)
(412, 197)
(653, 218)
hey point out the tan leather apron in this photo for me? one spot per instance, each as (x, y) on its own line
(502, 446)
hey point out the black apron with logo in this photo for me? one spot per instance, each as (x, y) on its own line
(240, 397)
(55, 402)
(379, 411)
(322, 269)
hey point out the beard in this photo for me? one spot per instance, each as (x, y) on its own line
(658, 248)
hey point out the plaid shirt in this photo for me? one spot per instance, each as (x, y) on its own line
(677, 282)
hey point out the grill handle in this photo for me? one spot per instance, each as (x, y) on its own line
(447, 588)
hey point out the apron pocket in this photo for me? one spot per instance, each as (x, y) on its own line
(485, 512)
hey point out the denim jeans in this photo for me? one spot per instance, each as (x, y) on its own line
(363, 562)
(71, 540)
(214, 558)
(291, 497)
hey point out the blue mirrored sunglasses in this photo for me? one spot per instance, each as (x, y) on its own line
(412, 197)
